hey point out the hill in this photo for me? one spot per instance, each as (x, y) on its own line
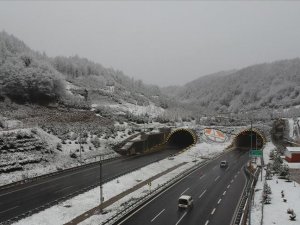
(30, 77)
(270, 85)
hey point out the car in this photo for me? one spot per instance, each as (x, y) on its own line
(223, 164)
(185, 201)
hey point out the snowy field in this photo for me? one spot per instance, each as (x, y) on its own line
(66, 211)
(276, 212)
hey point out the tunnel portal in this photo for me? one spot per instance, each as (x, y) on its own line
(182, 138)
(244, 139)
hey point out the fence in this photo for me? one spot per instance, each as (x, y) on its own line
(240, 218)
(125, 210)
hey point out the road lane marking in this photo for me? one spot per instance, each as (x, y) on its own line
(158, 215)
(9, 209)
(217, 178)
(228, 186)
(224, 193)
(171, 186)
(235, 176)
(202, 194)
(185, 191)
(202, 176)
(219, 201)
(240, 199)
(212, 212)
(63, 189)
(215, 167)
(227, 168)
(48, 181)
(231, 181)
(207, 221)
(181, 218)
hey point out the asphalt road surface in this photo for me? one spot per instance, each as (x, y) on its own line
(23, 198)
(216, 192)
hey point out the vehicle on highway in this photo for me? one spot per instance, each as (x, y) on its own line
(185, 201)
(223, 164)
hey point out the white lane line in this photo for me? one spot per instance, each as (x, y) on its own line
(158, 215)
(185, 191)
(231, 181)
(202, 176)
(227, 168)
(228, 186)
(224, 193)
(238, 172)
(219, 201)
(207, 221)
(9, 209)
(168, 188)
(181, 218)
(48, 181)
(212, 212)
(215, 167)
(217, 178)
(63, 189)
(202, 194)
(235, 176)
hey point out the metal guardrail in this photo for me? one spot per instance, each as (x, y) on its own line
(29, 180)
(73, 194)
(124, 211)
(244, 204)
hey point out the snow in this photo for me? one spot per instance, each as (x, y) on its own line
(137, 110)
(294, 129)
(291, 127)
(293, 149)
(66, 211)
(276, 212)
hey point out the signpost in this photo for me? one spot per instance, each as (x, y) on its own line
(256, 153)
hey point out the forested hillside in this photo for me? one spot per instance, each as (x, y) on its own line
(27, 76)
(268, 85)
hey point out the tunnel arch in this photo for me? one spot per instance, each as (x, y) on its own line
(182, 138)
(242, 139)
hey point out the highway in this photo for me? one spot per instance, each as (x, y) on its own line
(23, 198)
(216, 192)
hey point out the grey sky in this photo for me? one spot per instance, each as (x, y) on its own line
(163, 43)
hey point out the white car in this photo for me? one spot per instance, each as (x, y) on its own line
(223, 163)
(185, 201)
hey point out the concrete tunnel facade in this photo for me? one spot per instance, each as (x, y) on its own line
(249, 137)
(182, 138)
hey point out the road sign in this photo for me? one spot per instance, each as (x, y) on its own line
(256, 152)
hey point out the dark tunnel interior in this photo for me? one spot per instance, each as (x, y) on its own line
(243, 140)
(181, 139)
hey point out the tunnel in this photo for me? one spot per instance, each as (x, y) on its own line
(249, 138)
(182, 138)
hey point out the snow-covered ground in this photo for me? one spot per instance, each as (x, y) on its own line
(137, 110)
(276, 212)
(69, 209)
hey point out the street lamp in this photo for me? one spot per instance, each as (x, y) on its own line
(101, 186)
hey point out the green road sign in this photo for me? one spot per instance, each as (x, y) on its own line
(256, 153)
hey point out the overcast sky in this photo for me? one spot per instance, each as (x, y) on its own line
(160, 42)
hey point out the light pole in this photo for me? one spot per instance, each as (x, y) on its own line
(101, 187)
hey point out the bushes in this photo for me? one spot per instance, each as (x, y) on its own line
(96, 142)
(25, 79)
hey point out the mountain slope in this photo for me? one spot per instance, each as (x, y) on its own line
(27, 76)
(271, 85)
